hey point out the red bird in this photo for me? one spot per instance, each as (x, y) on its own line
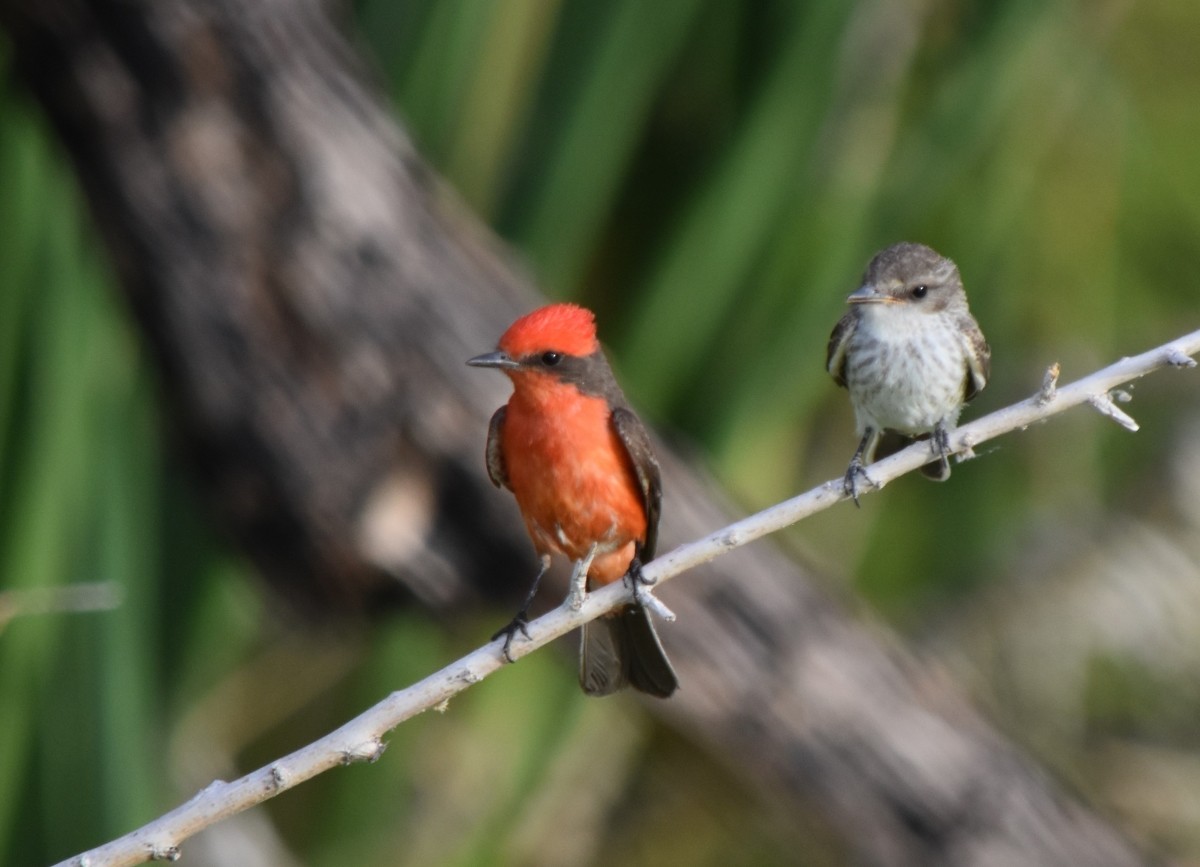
(586, 480)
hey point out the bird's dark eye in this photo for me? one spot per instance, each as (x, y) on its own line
(551, 358)
(919, 292)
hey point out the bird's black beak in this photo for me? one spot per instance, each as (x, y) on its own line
(499, 360)
(869, 293)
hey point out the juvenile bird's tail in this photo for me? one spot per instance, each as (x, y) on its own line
(938, 467)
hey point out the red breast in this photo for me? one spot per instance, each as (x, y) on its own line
(570, 475)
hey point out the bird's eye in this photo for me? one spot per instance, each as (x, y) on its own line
(919, 292)
(551, 358)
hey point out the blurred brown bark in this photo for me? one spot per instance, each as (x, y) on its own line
(310, 293)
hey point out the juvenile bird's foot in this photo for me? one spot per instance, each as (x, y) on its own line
(939, 444)
(520, 624)
(854, 472)
(940, 441)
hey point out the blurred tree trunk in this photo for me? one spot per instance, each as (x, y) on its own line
(310, 293)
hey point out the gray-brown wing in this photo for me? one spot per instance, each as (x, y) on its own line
(835, 353)
(494, 456)
(632, 434)
(979, 358)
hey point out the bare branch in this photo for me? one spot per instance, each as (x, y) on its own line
(361, 739)
(1106, 405)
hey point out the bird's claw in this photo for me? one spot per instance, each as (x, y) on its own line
(939, 441)
(855, 471)
(637, 576)
(575, 598)
(520, 624)
(640, 585)
(637, 582)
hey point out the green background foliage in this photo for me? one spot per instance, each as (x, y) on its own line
(710, 177)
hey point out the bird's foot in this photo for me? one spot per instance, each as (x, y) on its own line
(637, 576)
(939, 441)
(642, 597)
(850, 481)
(939, 444)
(520, 624)
(575, 596)
(579, 575)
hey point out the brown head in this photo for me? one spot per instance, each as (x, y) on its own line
(911, 275)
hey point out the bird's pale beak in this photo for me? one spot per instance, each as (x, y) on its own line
(869, 294)
(500, 360)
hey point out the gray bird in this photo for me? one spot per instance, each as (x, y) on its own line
(910, 354)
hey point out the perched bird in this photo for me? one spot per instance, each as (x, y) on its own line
(910, 354)
(581, 467)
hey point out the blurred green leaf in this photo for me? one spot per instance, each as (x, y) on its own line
(596, 97)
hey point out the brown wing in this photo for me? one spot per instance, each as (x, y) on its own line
(835, 353)
(494, 456)
(979, 358)
(633, 436)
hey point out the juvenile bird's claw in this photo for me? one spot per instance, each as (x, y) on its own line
(939, 442)
(939, 445)
(854, 472)
(520, 624)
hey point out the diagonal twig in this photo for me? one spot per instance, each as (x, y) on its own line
(361, 739)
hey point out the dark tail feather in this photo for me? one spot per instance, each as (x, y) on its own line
(621, 650)
(937, 469)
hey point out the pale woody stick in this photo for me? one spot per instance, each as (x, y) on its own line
(361, 739)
